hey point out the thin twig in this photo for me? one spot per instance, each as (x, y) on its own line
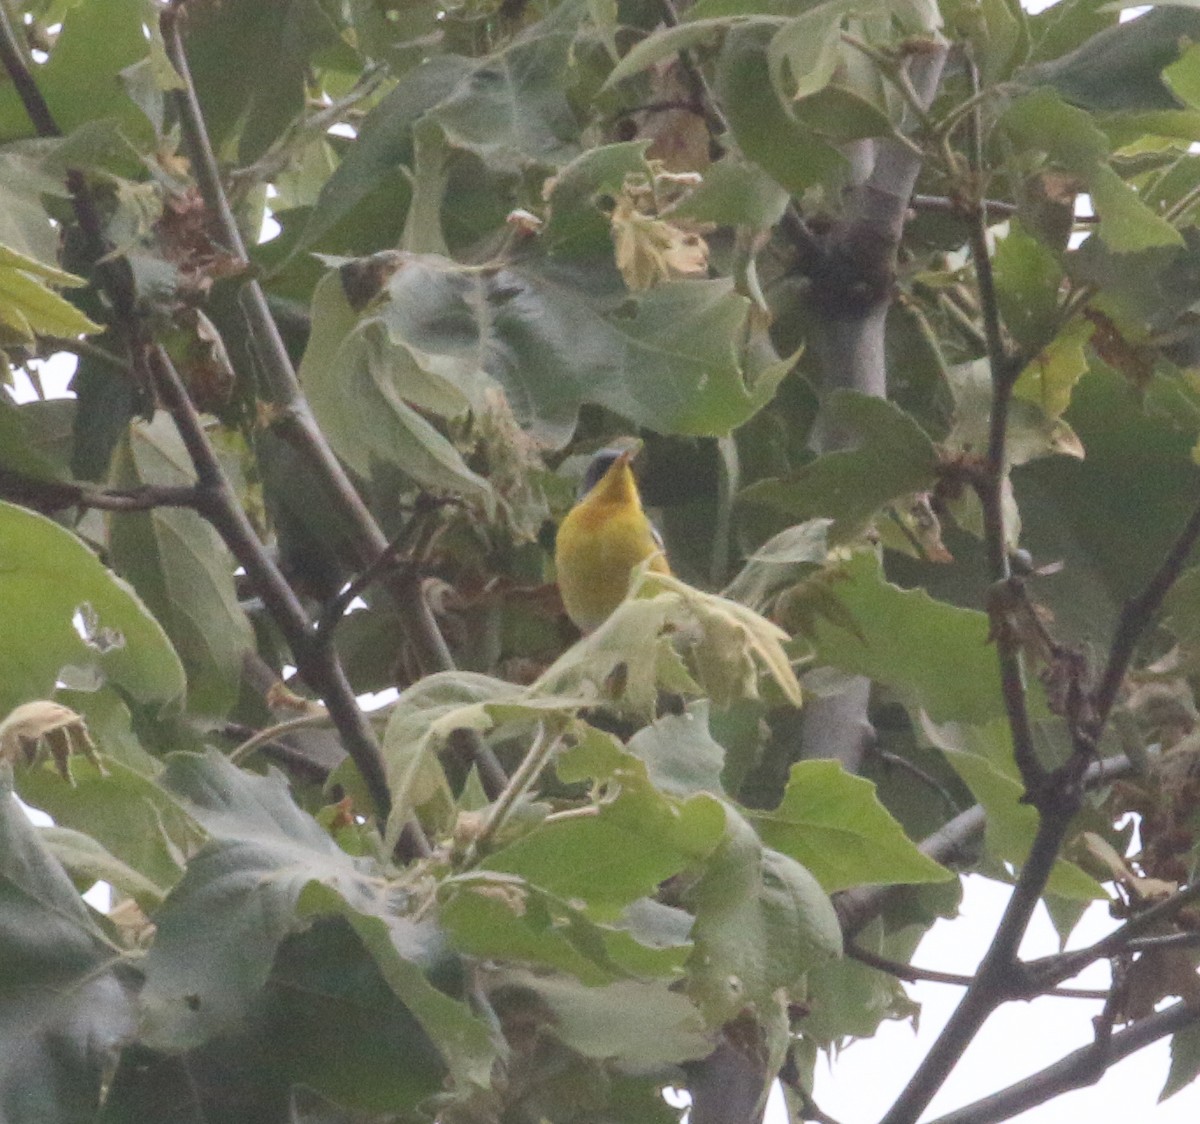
(304, 132)
(1137, 613)
(701, 91)
(1169, 940)
(269, 734)
(84, 349)
(16, 64)
(1004, 370)
(1078, 1069)
(294, 760)
(55, 495)
(928, 779)
(912, 974)
(947, 205)
(1064, 965)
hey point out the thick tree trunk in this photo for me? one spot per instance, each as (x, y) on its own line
(853, 274)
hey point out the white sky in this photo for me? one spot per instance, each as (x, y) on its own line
(1020, 1039)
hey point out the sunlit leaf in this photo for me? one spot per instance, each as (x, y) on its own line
(833, 823)
(76, 616)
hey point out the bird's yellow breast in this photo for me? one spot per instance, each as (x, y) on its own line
(600, 542)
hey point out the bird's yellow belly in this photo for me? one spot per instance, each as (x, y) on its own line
(596, 553)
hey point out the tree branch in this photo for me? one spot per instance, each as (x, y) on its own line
(316, 662)
(853, 269)
(1078, 1069)
(1136, 615)
(1064, 965)
(994, 982)
(910, 973)
(23, 81)
(295, 420)
(55, 495)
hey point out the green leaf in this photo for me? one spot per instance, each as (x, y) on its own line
(681, 756)
(334, 1024)
(1112, 516)
(676, 357)
(403, 951)
(1028, 280)
(76, 618)
(891, 457)
(846, 999)
(423, 717)
(1052, 375)
(19, 451)
(384, 143)
(250, 63)
(780, 562)
(1041, 121)
(357, 384)
(987, 768)
(1126, 223)
(762, 922)
(669, 41)
(1185, 1061)
(178, 564)
(632, 1024)
(834, 824)
(501, 917)
(804, 53)
(66, 1001)
(219, 928)
(734, 194)
(124, 811)
(795, 156)
(81, 80)
(577, 225)
(266, 872)
(936, 656)
(1120, 68)
(24, 224)
(28, 308)
(511, 110)
(621, 853)
(87, 861)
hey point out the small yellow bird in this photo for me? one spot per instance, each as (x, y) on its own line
(603, 538)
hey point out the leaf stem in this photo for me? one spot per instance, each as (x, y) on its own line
(544, 746)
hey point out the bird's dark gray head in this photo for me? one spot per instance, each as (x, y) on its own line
(600, 464)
